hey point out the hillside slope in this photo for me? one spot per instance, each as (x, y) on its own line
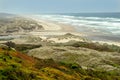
(18, 66)
(18, 25)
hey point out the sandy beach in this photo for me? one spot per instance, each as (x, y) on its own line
(52, 28)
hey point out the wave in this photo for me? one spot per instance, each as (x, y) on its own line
(106, 23)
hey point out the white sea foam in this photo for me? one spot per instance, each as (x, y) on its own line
(110, 24)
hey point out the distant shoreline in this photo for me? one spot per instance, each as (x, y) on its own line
(52, 28)
(63, 28)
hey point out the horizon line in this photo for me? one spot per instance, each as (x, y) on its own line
(57, 12)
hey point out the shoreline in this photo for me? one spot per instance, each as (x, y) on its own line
(54, 28)
(71, 29)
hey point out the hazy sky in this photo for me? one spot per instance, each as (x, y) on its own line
(56, 6)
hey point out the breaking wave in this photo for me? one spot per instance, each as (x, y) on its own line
(110, 24)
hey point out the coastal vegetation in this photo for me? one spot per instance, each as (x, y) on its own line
(33, 54)
(18, 66)
(18, 25)
(96, 46)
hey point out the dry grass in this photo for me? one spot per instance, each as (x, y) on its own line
(83, 56)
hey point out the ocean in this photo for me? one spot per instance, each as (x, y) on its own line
(101, 25)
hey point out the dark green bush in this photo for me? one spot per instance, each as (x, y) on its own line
(95, 46)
